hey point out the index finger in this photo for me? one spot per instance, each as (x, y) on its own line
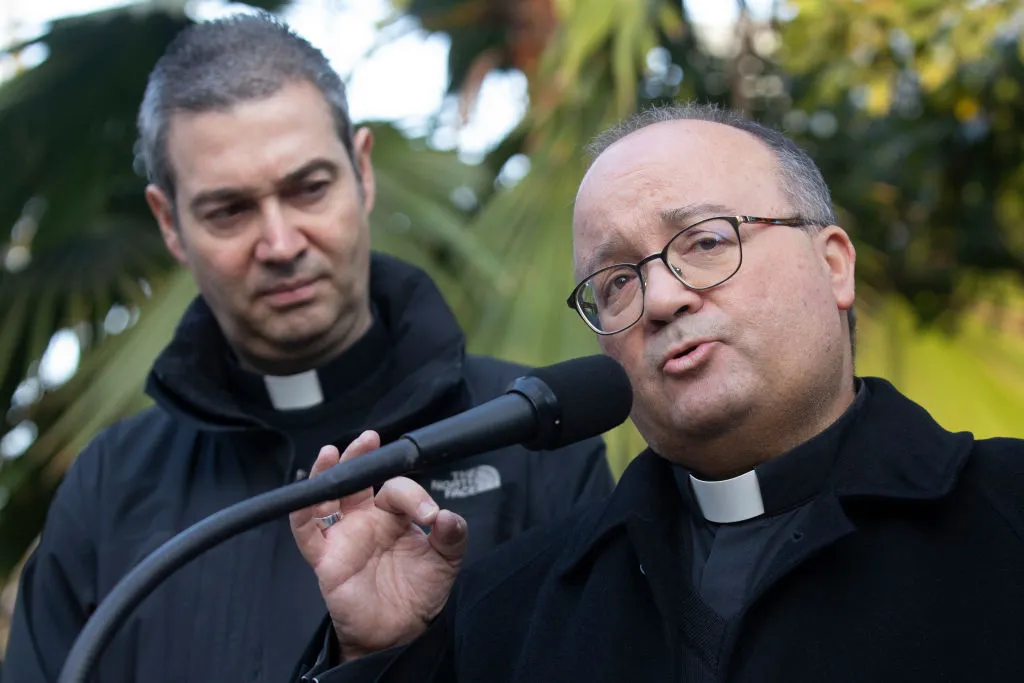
(305, 529)
(328, 458)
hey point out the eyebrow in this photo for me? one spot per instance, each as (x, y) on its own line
(227, 194)
(615, 244)
(684, 216)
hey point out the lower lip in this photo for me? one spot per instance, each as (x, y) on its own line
(290, 297)
(691, 361)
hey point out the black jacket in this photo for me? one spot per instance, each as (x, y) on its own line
(910, 568)
(245, 610)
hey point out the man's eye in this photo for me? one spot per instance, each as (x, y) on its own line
(616, 285)
(227, 212)
(620, 281)
(312, 190)
(708, 242)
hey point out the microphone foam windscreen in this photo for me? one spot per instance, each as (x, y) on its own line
(593, 393)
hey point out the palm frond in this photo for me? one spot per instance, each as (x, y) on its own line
(67, 126)
(107, 387)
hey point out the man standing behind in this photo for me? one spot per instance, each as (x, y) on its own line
(300, 337)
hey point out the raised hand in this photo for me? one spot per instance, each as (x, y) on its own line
(382, 577)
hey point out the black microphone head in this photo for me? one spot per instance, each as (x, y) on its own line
(585, 397)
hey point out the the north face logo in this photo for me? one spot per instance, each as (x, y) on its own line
(466, 483)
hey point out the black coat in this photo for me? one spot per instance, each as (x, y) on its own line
(245, 610)
(910, 568)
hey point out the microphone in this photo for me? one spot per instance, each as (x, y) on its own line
(546, 409)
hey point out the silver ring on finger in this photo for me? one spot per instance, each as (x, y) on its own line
(327, 522)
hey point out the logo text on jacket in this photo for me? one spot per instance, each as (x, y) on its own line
(469, 482)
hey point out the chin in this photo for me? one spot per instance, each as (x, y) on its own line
(708, 411)
(706, 427)
(305, 335)
(297, 333)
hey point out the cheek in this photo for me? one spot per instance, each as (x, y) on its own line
(220, 268)
(782, 308)
(628, 350)
(343, 232)
(231, 264)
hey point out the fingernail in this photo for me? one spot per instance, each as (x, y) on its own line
(426, 511)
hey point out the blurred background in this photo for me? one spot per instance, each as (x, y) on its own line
(914, 110)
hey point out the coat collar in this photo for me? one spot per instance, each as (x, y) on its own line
(425, 360)
(893, 449)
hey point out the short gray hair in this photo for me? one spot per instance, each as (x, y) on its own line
(215, 65)
(799, 177)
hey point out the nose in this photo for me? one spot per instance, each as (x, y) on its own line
(281, 241)
(666, 297)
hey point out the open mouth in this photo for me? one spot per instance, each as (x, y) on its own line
(686, 352)
(687, 358)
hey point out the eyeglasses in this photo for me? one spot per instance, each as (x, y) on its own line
(701, 256)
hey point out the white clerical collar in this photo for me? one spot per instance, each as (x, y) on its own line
(294, 392)
(731, 500)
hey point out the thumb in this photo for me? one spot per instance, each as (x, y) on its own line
(449, 536)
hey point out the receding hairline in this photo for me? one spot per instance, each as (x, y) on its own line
(596, 154)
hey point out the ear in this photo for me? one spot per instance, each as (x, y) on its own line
(362, 145)
(840, 257)
(163, 212)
